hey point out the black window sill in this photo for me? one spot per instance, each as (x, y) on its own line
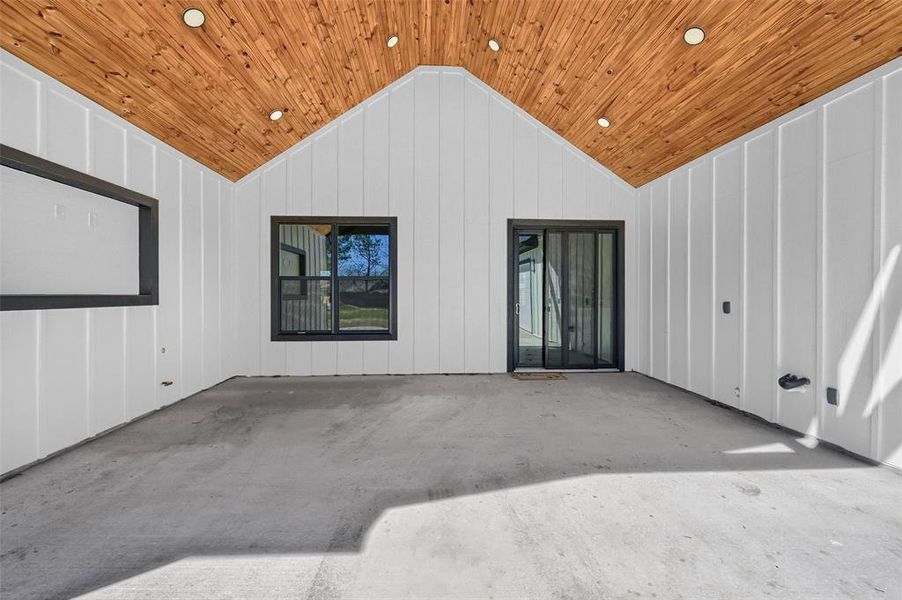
(334, 337)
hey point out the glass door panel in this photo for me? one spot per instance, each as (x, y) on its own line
(529, 313)
(580, 301)
(554, 300)
(606, 299)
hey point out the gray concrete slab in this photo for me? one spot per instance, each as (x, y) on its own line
(600, 486)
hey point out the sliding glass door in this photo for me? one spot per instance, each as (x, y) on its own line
(566, 301)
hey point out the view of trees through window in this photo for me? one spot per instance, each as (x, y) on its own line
(363, 254)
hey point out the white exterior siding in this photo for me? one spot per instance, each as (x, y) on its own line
(805, 243)
(66, 375)
(453, 161)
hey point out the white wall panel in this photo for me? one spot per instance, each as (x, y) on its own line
(273, 201)
(62, 379)
(107, 369)
(426, 226)
(108, 150)
(807, 244)
(886, 399)
(501, 202)
(701, 279)
(759, 393)
(599, 194)
(643, 269)
(727, 274)
(797, 296)
(227, 314)
(20, 97)
(212, 294)
(192, 280)
(453, 161)
(169, 194)
(141, 162)
(848, 263)
(526, 173)
(68, 374)
(452, 215)
(623, 206)
(19, 358)
(550, 176)
(476, 229)
(574, 184)
(678, 292)
(246, 267)
(140, 362)
(65, 129)
(659, 283)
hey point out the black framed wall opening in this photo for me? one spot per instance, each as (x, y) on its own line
(147, 230)
(565, 294)
(333, 278)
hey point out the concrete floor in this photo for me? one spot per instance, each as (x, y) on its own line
(600, 486)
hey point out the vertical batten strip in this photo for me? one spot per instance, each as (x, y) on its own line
(817, 428)
(776, 273)
(879, 236)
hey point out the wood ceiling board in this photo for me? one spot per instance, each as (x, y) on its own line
(209, 91)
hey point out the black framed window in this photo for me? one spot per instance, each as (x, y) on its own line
(333, 278)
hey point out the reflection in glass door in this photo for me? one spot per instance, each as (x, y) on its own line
(554, 301)
(566, 301)
(530, 265)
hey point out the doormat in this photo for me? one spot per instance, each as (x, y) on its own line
(537, 376)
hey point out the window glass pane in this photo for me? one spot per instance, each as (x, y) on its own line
(363, 304)
(306, 305)
(305, 250)
(363, 250)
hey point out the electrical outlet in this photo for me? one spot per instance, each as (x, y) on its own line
(59, 212)
(92, 219)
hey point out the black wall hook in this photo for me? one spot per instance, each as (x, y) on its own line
(791, 382)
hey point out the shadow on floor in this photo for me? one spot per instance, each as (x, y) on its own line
(291, 465)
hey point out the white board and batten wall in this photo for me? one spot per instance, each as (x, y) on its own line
(66, 375)
(799, 225)
(453, 161)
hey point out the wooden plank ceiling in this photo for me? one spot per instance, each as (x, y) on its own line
(208, 91)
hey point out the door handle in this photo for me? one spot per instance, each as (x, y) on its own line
(517, 308)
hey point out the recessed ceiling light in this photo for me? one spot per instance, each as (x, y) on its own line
(494, 46)
(604, 122)
(694, 36)
(275, 115)
(193, 17)
(392, 41)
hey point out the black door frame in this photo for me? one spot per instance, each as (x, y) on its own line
(546, 225)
